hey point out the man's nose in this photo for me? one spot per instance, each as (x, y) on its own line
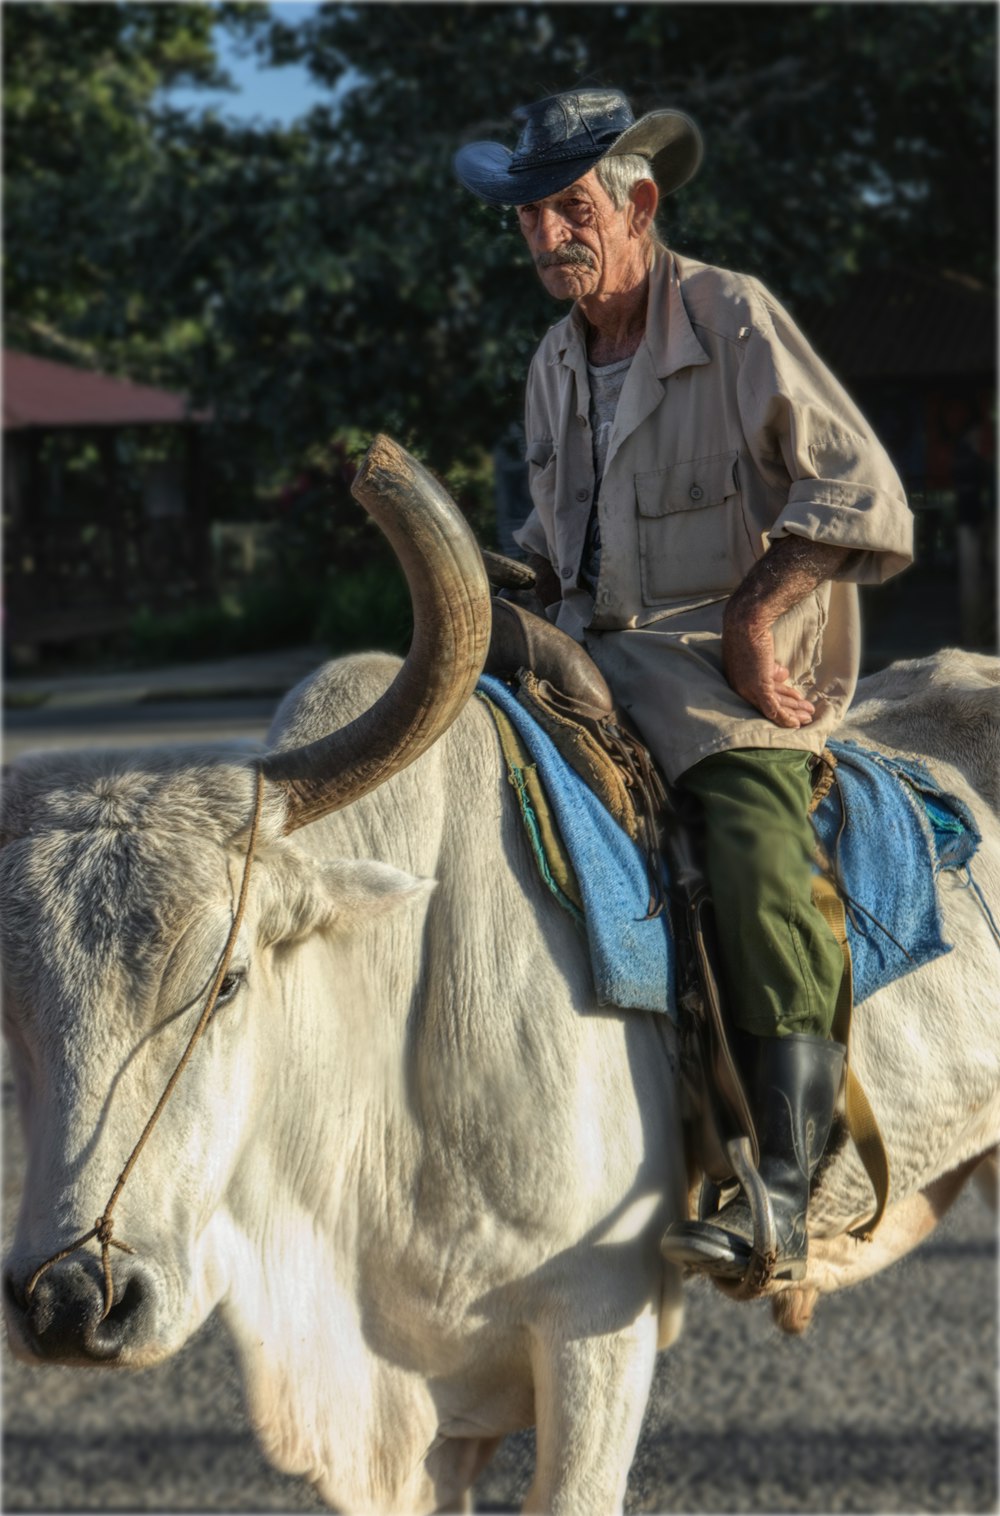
(551, 230)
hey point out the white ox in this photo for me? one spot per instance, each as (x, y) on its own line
(421, 1173)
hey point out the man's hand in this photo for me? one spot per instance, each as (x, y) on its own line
(547, 586)
(749, 664)
(791, 568)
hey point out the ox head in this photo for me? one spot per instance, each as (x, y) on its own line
(119, 875)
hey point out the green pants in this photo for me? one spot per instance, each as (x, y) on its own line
(781, 964)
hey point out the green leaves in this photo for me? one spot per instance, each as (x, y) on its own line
(333, 275)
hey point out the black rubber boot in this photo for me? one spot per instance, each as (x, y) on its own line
(793, 1085)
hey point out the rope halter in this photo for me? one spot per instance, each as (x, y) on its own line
(103, 1228)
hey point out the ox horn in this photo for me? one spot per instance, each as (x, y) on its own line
(451, 633)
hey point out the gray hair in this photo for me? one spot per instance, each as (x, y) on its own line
(618, 174)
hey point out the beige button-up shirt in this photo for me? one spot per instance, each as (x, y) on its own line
(729, 432)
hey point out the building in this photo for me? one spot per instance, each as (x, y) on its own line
(102, 501)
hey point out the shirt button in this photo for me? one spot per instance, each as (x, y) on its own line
(582, 420)
(696, 492)
(583, 494)
(566, 573)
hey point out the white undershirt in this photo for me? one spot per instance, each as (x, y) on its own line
(606, 382)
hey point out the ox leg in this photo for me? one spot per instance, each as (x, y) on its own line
(454, 1466)
(836, 1263)
(590, 1395)
(839, 1262)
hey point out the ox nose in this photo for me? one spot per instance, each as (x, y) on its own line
(63, 1320)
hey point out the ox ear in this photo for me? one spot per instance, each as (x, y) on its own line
(358, 890)
(303, 896)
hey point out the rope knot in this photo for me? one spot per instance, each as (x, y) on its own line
(104, 1229)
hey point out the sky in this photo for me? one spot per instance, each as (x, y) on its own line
(269, 94)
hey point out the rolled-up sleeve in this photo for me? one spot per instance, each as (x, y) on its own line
(805, 433)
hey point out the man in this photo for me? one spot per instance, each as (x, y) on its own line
(706, 501)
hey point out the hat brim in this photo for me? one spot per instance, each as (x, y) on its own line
(484, 168)
(671, 142)
(669, 139)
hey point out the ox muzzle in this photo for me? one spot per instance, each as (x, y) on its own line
(63, 1320)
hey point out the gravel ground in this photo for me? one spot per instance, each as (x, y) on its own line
(889, 1403)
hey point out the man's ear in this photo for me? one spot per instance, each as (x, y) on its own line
(645, 197)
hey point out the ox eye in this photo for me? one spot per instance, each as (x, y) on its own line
(230, 986)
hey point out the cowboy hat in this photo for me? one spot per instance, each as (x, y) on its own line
(565, 135)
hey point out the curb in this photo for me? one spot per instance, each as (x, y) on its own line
(226, 680)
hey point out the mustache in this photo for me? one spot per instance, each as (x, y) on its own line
(573, 252)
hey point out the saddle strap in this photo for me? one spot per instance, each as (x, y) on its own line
(551, 857)
(861, 1123)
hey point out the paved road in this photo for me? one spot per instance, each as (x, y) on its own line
(889, 1403)
(105, 725)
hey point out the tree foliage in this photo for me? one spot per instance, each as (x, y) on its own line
(81, 154)
(332, 275)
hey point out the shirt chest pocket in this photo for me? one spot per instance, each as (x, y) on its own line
(692, 536)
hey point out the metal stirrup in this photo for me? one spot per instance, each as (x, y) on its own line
(765, 1237)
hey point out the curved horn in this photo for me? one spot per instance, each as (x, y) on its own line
(451, 632)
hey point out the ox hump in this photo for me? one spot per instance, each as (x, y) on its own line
(944, 707)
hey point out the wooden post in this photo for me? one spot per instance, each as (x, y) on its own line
(196, 512)
(113, 516)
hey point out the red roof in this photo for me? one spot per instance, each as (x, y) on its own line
(39, 393)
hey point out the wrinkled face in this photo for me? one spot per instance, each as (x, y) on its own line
(580, 244)
(116, 911)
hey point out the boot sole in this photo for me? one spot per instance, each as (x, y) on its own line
(719, 1259)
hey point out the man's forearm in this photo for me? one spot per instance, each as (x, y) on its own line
(790, 570)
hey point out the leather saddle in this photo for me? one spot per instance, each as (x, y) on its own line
(564, 689)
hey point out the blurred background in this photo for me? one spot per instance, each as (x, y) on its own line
(235, 250)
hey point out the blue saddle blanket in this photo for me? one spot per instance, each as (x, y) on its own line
(632, 956)
(901, 829)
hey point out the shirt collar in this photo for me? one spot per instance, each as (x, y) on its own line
(669, 334)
